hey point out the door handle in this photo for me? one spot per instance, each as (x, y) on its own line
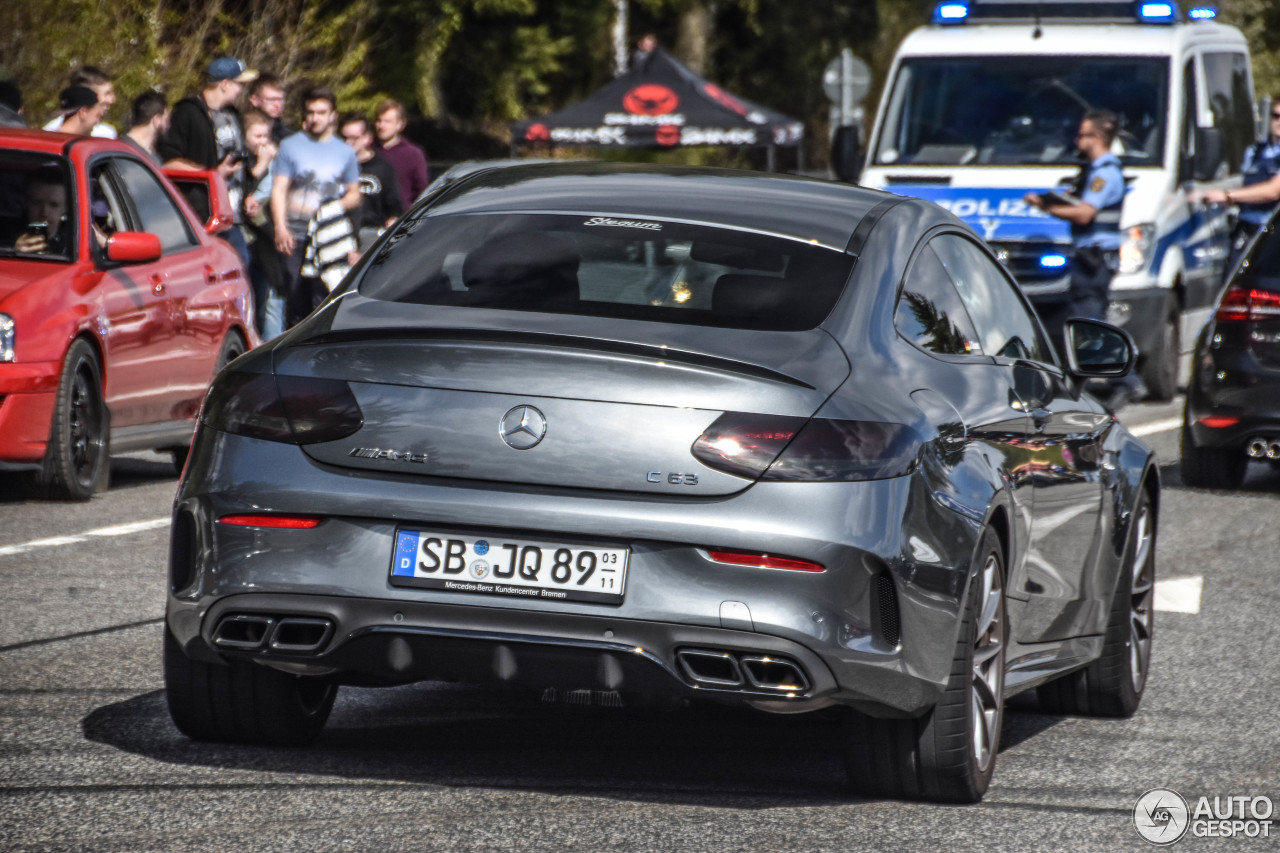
(157, 283)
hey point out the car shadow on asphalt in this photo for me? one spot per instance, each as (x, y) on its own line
(127, 472)
(1260, 478)
(467, 736)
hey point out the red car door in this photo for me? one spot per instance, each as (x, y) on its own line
(190, 267)
(136, 317)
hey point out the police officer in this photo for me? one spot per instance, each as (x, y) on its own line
(1261, 189)
(1094, 214)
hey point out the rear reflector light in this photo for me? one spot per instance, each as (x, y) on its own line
(1218, 421)
(293, 409)
(289, 522)
(1245, 305)
(765, 561)
(775, 447)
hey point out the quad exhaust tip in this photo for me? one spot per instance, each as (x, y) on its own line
(1263, 448)
(290, 635)
(761, 673)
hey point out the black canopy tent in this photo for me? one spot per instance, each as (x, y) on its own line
(660, 103)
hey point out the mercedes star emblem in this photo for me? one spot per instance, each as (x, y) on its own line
(523, 427)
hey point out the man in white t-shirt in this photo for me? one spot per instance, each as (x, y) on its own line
(312, 167)
(92, 77)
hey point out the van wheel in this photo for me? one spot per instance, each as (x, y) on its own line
(75, 461)
(243, 702)
(949, 754)
(1160, 369)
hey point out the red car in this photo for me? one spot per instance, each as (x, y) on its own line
(117, 306)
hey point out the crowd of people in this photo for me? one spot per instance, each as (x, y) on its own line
(307, 202)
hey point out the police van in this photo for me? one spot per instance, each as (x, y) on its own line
(981, 107)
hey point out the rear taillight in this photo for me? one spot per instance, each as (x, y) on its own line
(785, 448)
(1240, 304)
(745, 444)
(293, 409)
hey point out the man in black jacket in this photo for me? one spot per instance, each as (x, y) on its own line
(205, 133)
(379, 186)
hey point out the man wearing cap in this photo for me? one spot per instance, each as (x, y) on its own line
(92, 77)
(205, 133)
(79, 110)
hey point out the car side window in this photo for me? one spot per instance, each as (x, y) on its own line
(1005, 325)
(930, 312)
(156, 210)
(106, 208)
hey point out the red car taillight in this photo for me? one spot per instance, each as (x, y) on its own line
(1241, 304)
(776, 447)
(292, 409)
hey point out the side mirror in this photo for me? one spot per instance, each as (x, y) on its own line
(846, 154)
(133, 247)
(1210, 152)
(1098, 350)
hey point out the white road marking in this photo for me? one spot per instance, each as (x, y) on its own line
(1156, 426)
(114, 530)
(1179, 595)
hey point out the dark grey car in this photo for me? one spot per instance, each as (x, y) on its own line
(617, 432)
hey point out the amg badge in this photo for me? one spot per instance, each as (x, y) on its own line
(390, 455)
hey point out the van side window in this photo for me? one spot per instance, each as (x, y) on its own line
(1187, 145)
(1227, 82)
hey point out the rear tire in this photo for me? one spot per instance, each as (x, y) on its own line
(76, 460)
(1160, 368)
(1112, 685)
(949, 754)
(1211, 467)
(243, 702)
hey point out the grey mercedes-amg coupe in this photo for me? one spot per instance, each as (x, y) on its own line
(629, 432)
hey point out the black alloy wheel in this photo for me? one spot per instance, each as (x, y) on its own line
(1112, 686)
(75, 462)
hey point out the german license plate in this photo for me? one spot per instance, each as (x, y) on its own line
(519, 568)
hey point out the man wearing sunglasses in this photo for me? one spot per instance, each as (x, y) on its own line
(1261, 189)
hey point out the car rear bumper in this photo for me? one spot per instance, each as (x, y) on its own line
(1232, 383)
(876, 629)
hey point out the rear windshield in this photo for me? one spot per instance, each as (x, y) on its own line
(36, 207)
(611, 266)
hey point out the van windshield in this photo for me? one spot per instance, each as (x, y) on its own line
(1021, 110)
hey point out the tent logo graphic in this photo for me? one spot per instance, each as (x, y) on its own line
(538, 133)
(650, 99)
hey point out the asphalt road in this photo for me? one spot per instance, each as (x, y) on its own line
(90, 761)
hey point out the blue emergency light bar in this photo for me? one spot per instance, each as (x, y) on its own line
(1053, 261)
(1156, 13)
(1142, 11)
